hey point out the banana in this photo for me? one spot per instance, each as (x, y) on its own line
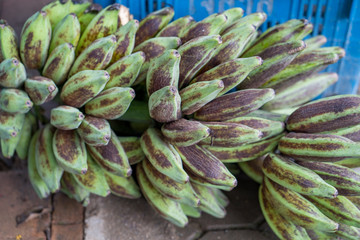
(93, 180)
(302, 91)
(12, 73)
(184, 132)
(35, 40)
(296, 208)
(191, 211)
(79, 6)
(253, 169)
(208, 202)
(15, 101)
(165, 105)
(8, 42)
(315, 42)
(105, 23)
(70, 151)
(46, 164)
(36, 181)
(204, 182)
(288, 31)
(255, 19)
(344, 179)
(8, 145)
(210, 25)
(348, 232)
(94, 131)
(167, 208)
(232, 14)
(111, 103)
(163, 155)
(235, 104)
(230, 134)
(57, 10)
(59, 62)
(66, 31)
(282, 227)
(295, 177)
(122, 186)
(40, 89)
(163, 71)
(275, 59)
(221, 198)
(268, 115)
(195, 158)
(326, 114)
(232, 72)
(95, 57)
(355, 200)
(25, 136)
(232, 46)
(88, 15)
(179, 192)
(320, 235)
(111, 157)
(153, 48)
(198, 94)
(349, 162)
(125, 43)
(245, 152)
(352, 133)
(66, 117)
(138, 112)
(176, 28)
(11, 124)
(194, 55)
(132, 149)
(152, 24)
(73, 190)
(318, 147)
(269, 128)
(83, 87)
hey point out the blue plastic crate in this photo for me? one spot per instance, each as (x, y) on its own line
(338, 20)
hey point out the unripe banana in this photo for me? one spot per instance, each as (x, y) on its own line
(79, 6)
(177, 27)
(88, 16)
(315, 42)
(12, 73)
(83, 87)
(95, 131)
(35, 40)
(255, 19)
(348, 232)
(15, 101)
(25, 136)
(8, 145)
(132, 149)
(71, 188)
(349, 162)
(268, 115)
(232, 14)
(190, 211)
(111, 103)
(204, 182)
(124, 187)
(352, 133)
(8, 42)
(11, 124)
(66, 117)
(253, 169)
(40, 89)
(57, 10)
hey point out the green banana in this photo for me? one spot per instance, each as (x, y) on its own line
(295, 177)
(36, 181)
(163, 155)
(15, 101)
(348, 232)
(93, 180)
(194, 55)
(125, 43)
(165, 105)
(315, 42)
(232, 14)
(184, 132)
(132, 149)
(321, 235)
(176, 28)
(352, 133)
(59, 62)
(163, 71)
(96, 56)
(79, 6)
(245, 152)
(204, 182)
(69, 150)
(83, 87)
(138, 112)
(191, 211)
(349, 162)
(326, 114)
(35, 40)
(179, 192)
(25, 136)
(94, 131)
(122, 186)
(46, 164)
(66, 31)
(12, 73)
(72, 189)
(152, 24)
(195, 158)
(57, 10)
(111, 103)
(124, 72)
(235, 104)
(268, 115)
(88, 15)
(11, 124)
(255, 19)
(167, 208)
(230, 134)
(8, 145)
(198, 94)
(221, 198)
(40, 89)
(111, 157)
(66, 117)
(253, 169)
(8, 42)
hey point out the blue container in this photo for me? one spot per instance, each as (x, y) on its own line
(335, 19)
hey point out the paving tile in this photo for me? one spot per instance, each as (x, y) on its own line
(67, 232)
(234, 235)
(66, 210)
(17, 198)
